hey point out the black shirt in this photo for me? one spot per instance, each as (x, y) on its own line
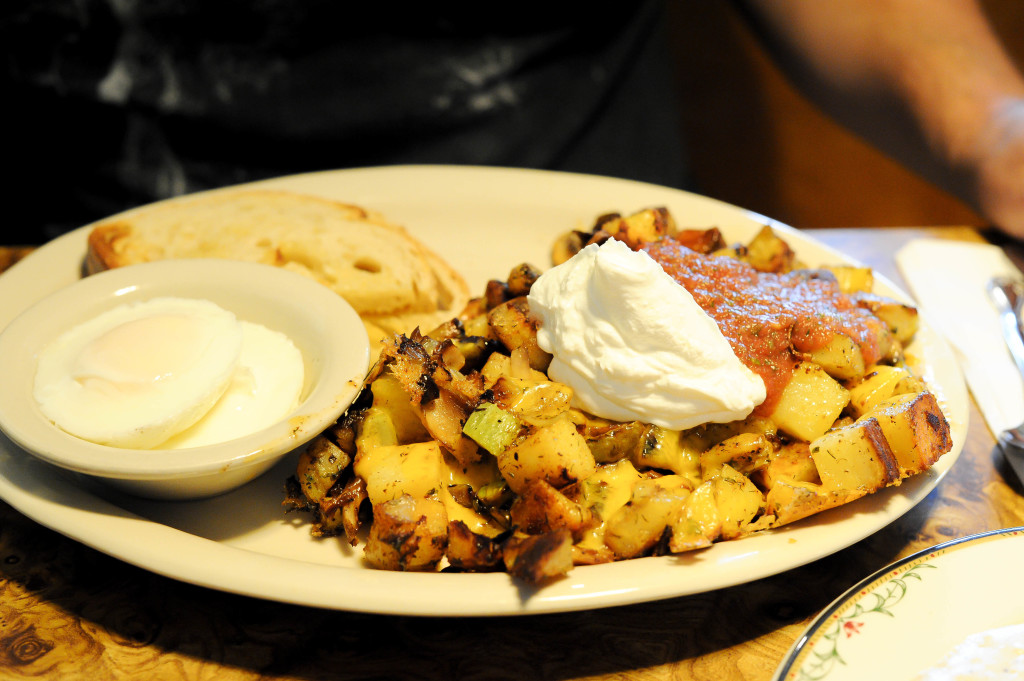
(123, 102)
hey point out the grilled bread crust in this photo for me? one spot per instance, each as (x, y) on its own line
(389, 277)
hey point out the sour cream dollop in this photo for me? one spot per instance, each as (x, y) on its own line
(634, 345)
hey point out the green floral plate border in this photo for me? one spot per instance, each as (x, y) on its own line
(902, 618)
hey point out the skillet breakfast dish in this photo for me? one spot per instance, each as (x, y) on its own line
(656, 391)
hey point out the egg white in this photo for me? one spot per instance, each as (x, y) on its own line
(265, 388)
(139, 373)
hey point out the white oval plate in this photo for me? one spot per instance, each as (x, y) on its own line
(484, 221)
(908, 616)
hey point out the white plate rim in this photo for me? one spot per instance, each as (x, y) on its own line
(75, 510)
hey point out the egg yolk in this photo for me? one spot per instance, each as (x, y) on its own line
(143, 351)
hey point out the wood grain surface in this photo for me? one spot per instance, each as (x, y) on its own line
(70, 612)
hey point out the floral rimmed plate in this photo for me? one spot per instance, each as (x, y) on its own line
(907, 617)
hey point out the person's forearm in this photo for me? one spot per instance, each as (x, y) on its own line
(925, 80)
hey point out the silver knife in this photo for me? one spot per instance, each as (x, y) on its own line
(1008, 296)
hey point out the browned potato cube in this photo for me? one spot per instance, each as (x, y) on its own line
(539, 557)
(542, 508)
(407, 534)
(767, 252)
(700, 523)
(915, 428)
(513, 326)
(468, 550)
(319, 466)
(640, 227)
(855, 458)
(609, 488)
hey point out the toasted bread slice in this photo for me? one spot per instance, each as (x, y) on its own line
(378, 267)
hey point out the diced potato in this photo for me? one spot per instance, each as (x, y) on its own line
(566, 246)
(555, 453)
(496, 366)
(407, 534)
(604, 493)
(878, 384)
(513, 326)
(901, 319)
(701, 240)
(468, 550)
(719, 508)
(700, 523)
(521, 279)
(639, 525)
(915, 428)
(769, 253)
(855, 458)
(737, 499)
(810, 403)
(542, 508)
(841, 358)
(474, 320)
(745, 452)
(910, 385)
(535, 402)
(390, 396)
(319, 466)
(616, 441)
(889, 349)
(736, 252)
(667, 450)
(414, 469)
(640, 227)
(853, 279)
(609, 488)
(792, 461)
(538, 558)
(790, 500)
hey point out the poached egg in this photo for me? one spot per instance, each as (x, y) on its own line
(167, 373)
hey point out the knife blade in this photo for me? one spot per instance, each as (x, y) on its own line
(1007, 294)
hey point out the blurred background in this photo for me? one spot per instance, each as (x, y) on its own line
(750, 138)
(756, 142)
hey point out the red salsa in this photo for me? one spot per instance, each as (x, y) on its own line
(767, 318)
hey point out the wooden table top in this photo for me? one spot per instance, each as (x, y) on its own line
(70, 612)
